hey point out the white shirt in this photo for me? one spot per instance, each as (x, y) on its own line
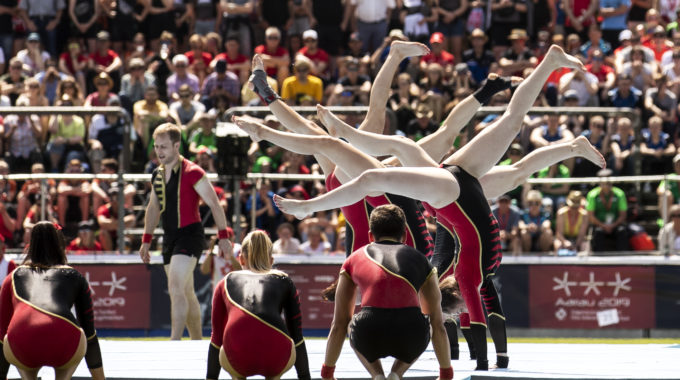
(372, 10)
(580, 86)
(293, 247)
(323, 248)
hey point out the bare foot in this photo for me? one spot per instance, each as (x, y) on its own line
(248, 126)
(291, 206)
(333, 124)
(405, 49)
(589, 152)
(561, 59)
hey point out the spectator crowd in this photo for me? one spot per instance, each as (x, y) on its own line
(188, 62)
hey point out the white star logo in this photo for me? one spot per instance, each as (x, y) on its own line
(619, 284)
(92, 283)
(564, 283)
(591, 285)
(115, 283)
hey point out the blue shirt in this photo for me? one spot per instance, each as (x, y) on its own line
(632, 100)
(614, 22)
(661, 144)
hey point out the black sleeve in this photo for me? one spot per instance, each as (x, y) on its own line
(213, 362)
(4, 365)
(294, 324)
(85, 314)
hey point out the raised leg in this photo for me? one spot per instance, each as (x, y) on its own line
(436, 186)
(487, 148)
(380, 91)
(501, 179)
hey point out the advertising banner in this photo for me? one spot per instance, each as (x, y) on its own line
(591, 296)
(120, 294)
(310, 280)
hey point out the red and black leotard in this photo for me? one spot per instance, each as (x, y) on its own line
(389, 276)
(35, 315)
(356, 215)
(180, 217)
(247, 324)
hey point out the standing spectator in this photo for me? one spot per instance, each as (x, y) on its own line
(319, 58)
(535, 226)
(301, 83)
(656, 148)
(571, 226)
(303, 19)
(43, 18)
(184, 14)
(67, 138)
(33, 57)
(506, 15)
(508, 217)
(13, 81)
(23, 137)
(73, 196)
(613, 14)
(133, 85)
(180, 77)
(275, 57)
(372, 16)
(622, 147)
(84, 15)
(220, 83)
(478, 58)
(274, 14)
(7, 27)
(124, 19)
(107, 217)
(206, 15)
(451, 24)
(286, 244)
(105, 60)
(607, 206)
(161, 18)
(85, 243)
(328, 15)
(580, 14)
(518, 57)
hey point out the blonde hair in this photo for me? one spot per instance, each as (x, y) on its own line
(257, 251)
(170, 130)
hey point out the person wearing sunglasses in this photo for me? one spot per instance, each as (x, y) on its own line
(535, 225)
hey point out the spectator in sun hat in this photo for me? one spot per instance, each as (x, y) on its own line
(85, 242)
(135, 82)
(518, 57)
(478, 58)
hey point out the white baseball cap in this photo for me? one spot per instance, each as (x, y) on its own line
(310, 33)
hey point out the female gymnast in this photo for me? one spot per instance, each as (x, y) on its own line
(36, 322)
(249, 336)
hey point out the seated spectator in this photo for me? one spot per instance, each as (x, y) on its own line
(556, 192)
(199, 60)
(320, 60)
(237, 63)
(571, 225)
(640, 71)
(133, 85)
(33, 94)
(275, 57)
(670, 189)
(585, 85)
(85, 243)
(572, 122)
(203, 137)
(422, 125)
(607, 206)
(404, 100)
(69, 87)
(34, 215)
(107, 217)
(286, 244)
(656, 148)
(624, 94)
(161, 61)
(662, 102)
(514, 154)
(356, 86)
(669, 235)
(180, 77)
(508, 217)
(30, 191)
(436, 90)
(550, 133)
(106, 134)
(518, 57)
(220, 83)
(595, 42)
(186, 112)
(535, 226)
(266, 212)
(13, 81)
(73, 196)
(599, 138)
(67, 138)
(438, 55)
(478, 58)
(33, 57)
(622, 148)
(100, 187)
(301, 83)
(672, 72)
(147, 115)
(216, 265)
(659, 43)
(22, 135)
(74, 62)
(316, 243)
(104, 60)
(104, 85)
(605, 74)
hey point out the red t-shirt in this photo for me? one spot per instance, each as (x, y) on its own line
(239, 59)
(280, 52)
(602, 74)
(319, 56)
(207, 57)
(76, 249)
(69, 62)
(444, 59)
(104, 60)
(657, 54)
(580, 7)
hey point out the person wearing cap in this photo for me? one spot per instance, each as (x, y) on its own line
(181, 76)
(478, 58)
(607, 206)
(276, 58)
(42, 17)
(624, 41)
(535, 226)
(438, 55)
(508, 217)
(301, 83)
(107, 218)
(106, 131)
(176, 202)
(319, 58)
(451, 23)
(237, 62)
(103, 59)
(220, 83)
(135, 82)
(571, 224)
(518, 57)
(354, 85)
(372, 16)
(613, 14)
(73, 195)
(148, 113)
(659, 43)
(103, 91)
(85, 243)
(33, 57)
(186, 112)
(606, 76)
